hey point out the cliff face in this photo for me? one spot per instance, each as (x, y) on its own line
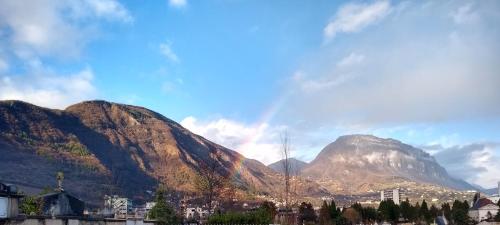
(359, 162)
(108, 148)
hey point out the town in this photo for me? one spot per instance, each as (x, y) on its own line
(56, 207)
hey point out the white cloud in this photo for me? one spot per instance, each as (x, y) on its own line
(43, 87)
(167, 51)
(260, 141)
(52, 27)
(353, 17)
(34, 31)
(476, 163)
(177, 3)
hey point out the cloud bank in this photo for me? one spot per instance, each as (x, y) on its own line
(261, 141)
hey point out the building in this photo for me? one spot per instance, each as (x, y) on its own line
(118, 206)
(395, 195)
(483, 209)
(9, 201)
(60, 203)
(196, 213)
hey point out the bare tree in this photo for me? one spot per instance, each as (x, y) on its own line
(209, 182)
(285, 151)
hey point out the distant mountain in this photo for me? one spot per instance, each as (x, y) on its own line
(296, 166)
(358, 163)
(492, 191)
(109, 148)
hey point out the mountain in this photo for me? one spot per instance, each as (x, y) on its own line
(296, 166)
(360, 163)
(109, 148)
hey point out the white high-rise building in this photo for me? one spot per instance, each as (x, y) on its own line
(395, 195)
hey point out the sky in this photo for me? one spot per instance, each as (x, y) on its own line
(241, 73)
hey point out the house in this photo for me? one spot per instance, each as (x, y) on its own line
(196, 213)
(9, 201)
(483, 209)
(60, 203)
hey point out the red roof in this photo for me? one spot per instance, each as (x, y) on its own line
(481, 202)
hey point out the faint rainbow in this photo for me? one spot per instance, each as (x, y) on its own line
(265, 117)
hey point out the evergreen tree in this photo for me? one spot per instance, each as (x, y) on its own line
(163, 213)
(425, 215)
(324, 214)
(446, 210)
(369, 215)
(459, 213)
(406, 210)
(389, 211)
(334, 213)
(434, 211)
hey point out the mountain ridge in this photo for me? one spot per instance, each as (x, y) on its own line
(367, 160)
(116, 148)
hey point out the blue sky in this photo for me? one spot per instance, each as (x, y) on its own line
(242, 72)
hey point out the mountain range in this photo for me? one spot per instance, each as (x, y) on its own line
(109, 148)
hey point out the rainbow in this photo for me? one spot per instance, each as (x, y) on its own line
(265, 118)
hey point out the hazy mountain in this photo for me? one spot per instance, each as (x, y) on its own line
(106, 148)
(296, 166)
(357, 163)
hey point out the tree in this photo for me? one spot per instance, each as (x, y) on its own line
(31, 205)
(389, 211)
(162, 212)
(459, 213)
(351, 215)
(334, 213)
(324, 214)
(269, 208)
(306, 213)
(424, 213)
(445, 208)
(285, 151)
(434, 211)
(406, 210)
(369, 215)
(209, 183)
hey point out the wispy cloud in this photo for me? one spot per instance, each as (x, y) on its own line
(408, 77)
(167, 51)
(351, 60)
(353, 17)
(465, 14)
